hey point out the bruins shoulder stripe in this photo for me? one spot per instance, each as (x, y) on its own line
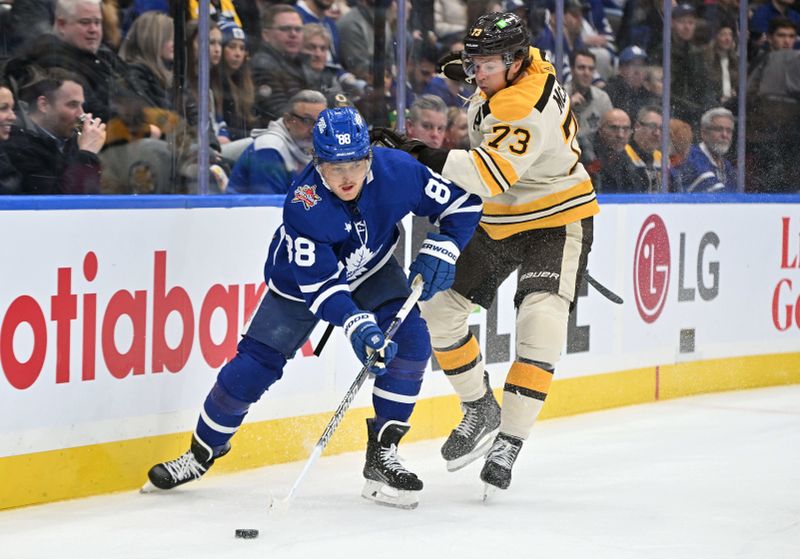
(546, 92)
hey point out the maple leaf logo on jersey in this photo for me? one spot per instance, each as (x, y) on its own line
(357, 262)
(306, 195)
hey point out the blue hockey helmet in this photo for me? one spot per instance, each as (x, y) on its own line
(340, 134)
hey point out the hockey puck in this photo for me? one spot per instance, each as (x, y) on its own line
(246, 533)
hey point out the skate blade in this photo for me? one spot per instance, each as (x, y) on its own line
(148, 487)
(481, 450)
(382, 494)
(488, 491)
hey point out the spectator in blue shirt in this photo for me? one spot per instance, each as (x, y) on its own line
(453, 92)
(573, 25)
(274, 159)
(706, 169)
(313, 11)
(759, 23)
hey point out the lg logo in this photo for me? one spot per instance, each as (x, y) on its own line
(651, 268)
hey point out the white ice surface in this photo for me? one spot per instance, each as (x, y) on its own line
(715, 476)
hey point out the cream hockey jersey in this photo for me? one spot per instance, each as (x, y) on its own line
(524, 159)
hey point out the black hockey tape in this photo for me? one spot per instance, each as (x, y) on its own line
(246, 533)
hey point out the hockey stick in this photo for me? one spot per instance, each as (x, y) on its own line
(280, 505)
(323, 340)
(603, 290)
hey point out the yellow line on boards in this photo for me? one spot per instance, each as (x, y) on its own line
(55, 475)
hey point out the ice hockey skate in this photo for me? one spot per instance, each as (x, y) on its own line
(472, 437)
(189, 466)
(496, 472)
(388, 481)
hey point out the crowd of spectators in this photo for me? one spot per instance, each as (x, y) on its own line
(91, 100)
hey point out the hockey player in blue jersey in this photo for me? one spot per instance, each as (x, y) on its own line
(332, 260)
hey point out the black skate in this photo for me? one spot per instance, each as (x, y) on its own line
(473, 436)
(388, 481)
(496, 471)
(188, 467)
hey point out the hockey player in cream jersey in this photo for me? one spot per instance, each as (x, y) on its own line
(537, 220)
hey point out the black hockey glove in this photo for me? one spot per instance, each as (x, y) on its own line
(392, 139)
(433, 158)
(451, 66)
(386, 137)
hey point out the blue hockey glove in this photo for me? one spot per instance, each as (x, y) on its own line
(366, 337)
(436, 263)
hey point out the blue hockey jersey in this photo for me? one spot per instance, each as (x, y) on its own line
(327, 247)
(700, 173)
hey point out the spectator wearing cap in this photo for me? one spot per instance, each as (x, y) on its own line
(519, 7)
(589, 103)
(314, 11)
(706, 169)
(691, 93)
(276, 157)
(276, 65)
(237, 94)
(611, 169)
(773, 113)
(627, 90)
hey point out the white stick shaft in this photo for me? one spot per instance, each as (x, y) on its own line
(316, 453)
